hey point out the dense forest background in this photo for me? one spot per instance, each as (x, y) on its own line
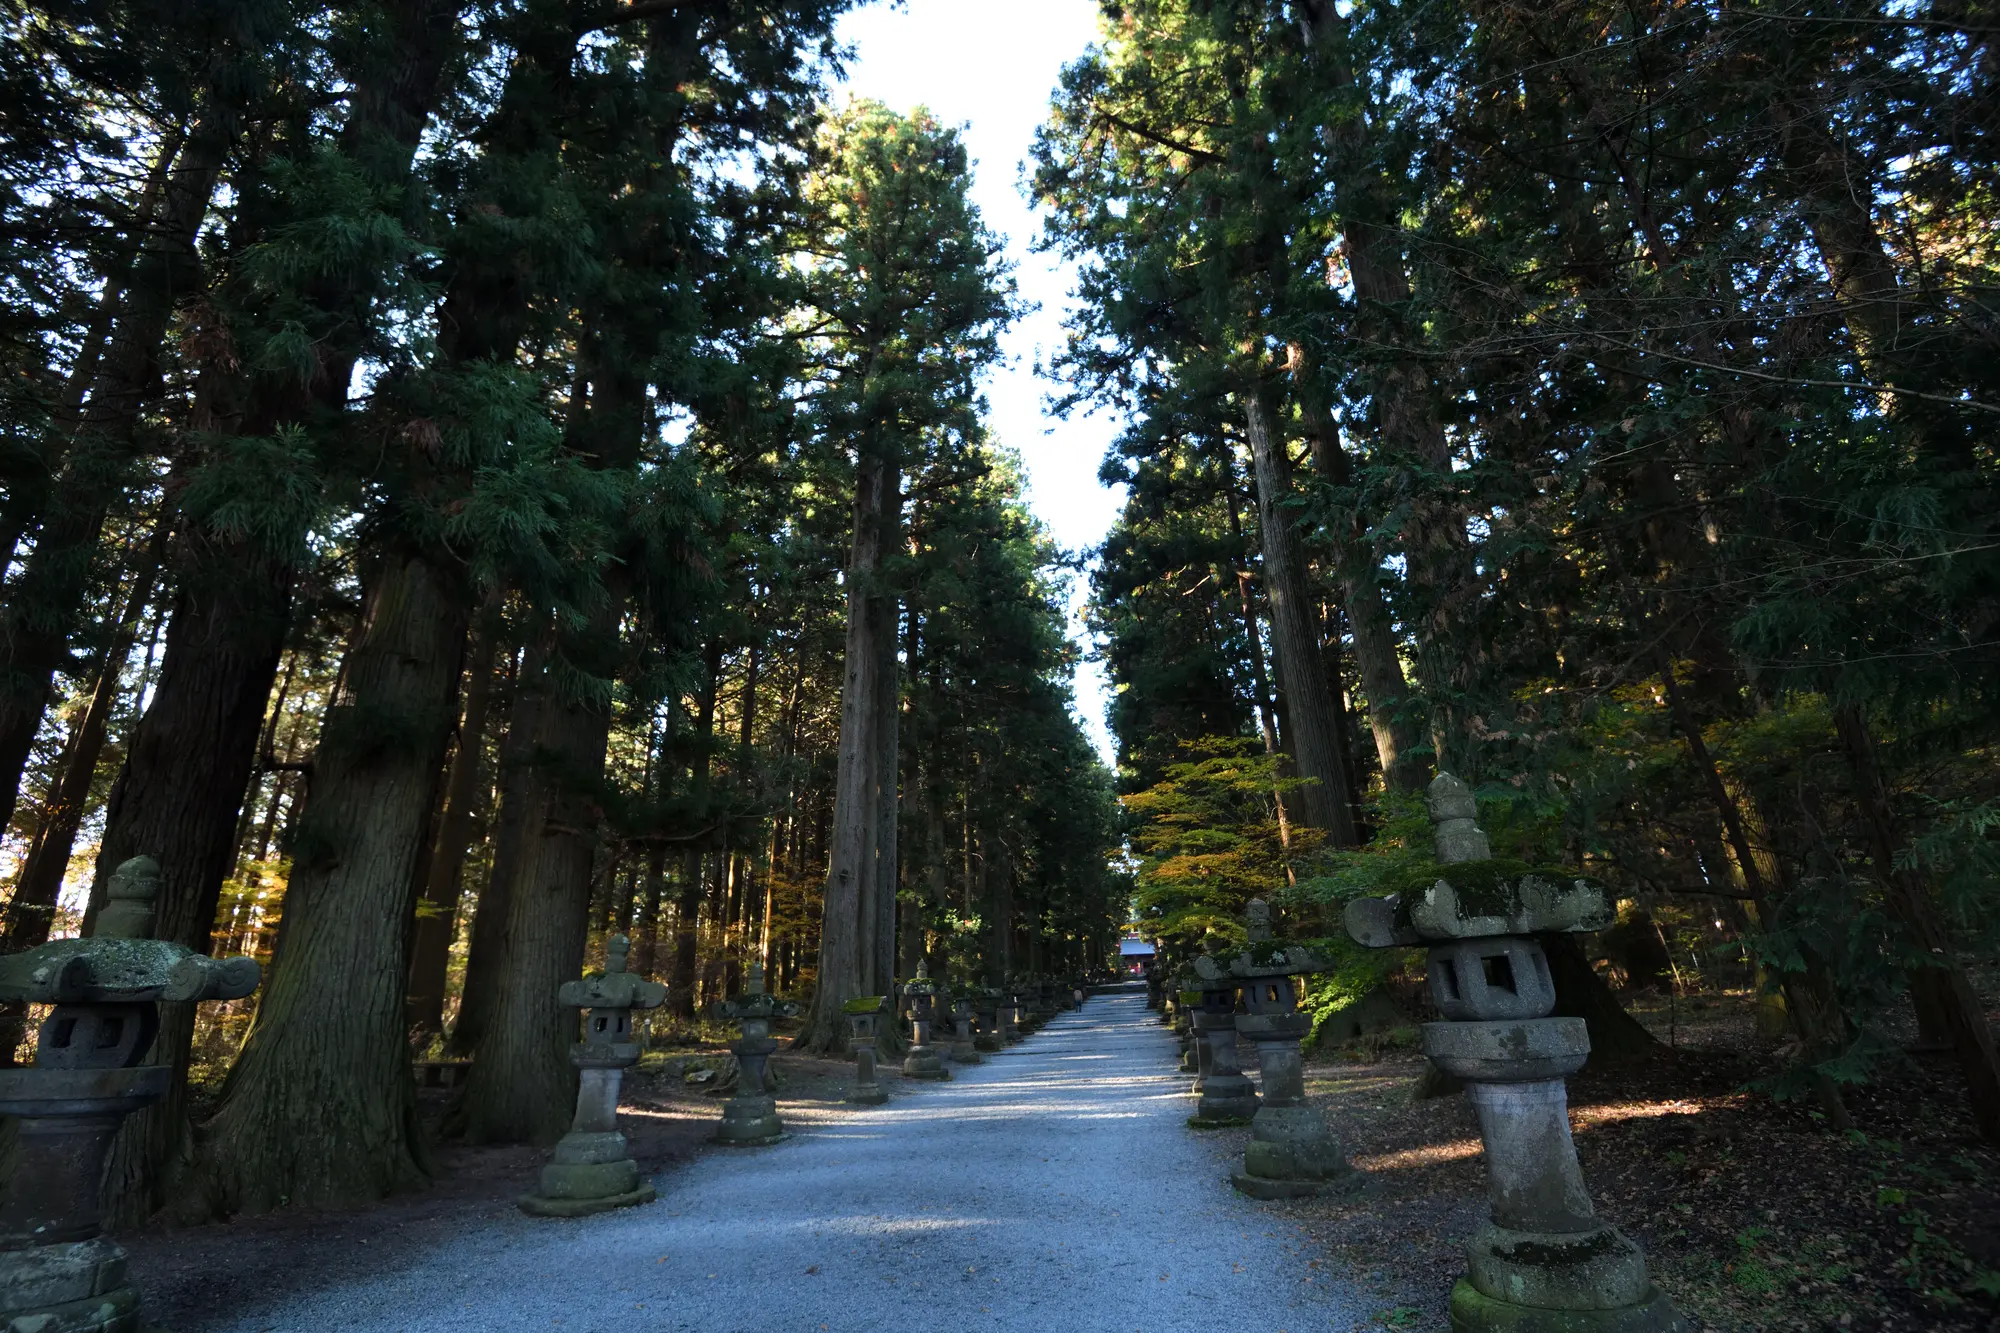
(1596, 401)
(482, 475)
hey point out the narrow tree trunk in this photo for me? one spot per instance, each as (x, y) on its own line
(437, 918)
(1909, 901)
(31, 911)
(320, 1108)
(647, 951)
(887, 765)
(1326, 800)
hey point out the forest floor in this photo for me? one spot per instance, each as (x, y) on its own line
(1754, 1216)
(1054, 1187)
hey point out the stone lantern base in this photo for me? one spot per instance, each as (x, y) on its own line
(1473, 1311)
(1291, 1155)
(590, 1172)
(74, 1288)
(750, 1121)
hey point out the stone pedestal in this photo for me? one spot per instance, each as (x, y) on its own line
(963, 1050)
(862, 1015)
(750, 1117)
(58, 1273)
(1544, 1262)
(1228, 1097)
(1184, 1029)
(986, 1010)
(1292, 1152)
(591, 1170)
(922, 1060)
(1156, 987)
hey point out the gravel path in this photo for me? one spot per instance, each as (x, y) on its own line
(1053, 1189)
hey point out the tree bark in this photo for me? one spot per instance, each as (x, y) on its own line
(1358, 571)
(486, 950)
(437, 920)
(522, 1086)
(887, 766)
(320, 1108)
(1326, 801)
(848, 916)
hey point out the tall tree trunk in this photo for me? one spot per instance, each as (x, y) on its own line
(1436, 545)
(487, 947)
(1909, 902)
(522, 1085)
(1358, 570)
(1326, 801)
(320, 1108)
(847, 941)
(1266, 708)
(437, 918)
(684, 986)
(176, 799)
(887, 766)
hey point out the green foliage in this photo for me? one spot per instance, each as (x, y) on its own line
(1208, 840)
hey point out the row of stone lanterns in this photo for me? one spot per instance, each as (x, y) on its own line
(1544, 1263)
(591, 1169)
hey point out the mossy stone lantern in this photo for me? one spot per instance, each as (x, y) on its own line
(1292, 1151)
(591, 1170)
(58, 1272)
(1544, 1262)
(750, 1116)
(863, 1013)
(921, 1060)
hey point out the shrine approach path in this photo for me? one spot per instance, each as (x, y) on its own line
(1053, 1189)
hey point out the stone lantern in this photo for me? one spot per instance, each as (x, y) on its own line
(1010, 1015)
(921, 1061)
(1544, 1263)
(1185, 1001)
(591, 1170)
(58, 1272)
(1227, 1096)
(986, 1009)
(1156, 985)
(1292, 1152)
(863, 1013)
(963, 1050)
(750, 1116)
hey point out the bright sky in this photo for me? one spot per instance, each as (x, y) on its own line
(990, 66)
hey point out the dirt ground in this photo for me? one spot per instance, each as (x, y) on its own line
(1754, 1216)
